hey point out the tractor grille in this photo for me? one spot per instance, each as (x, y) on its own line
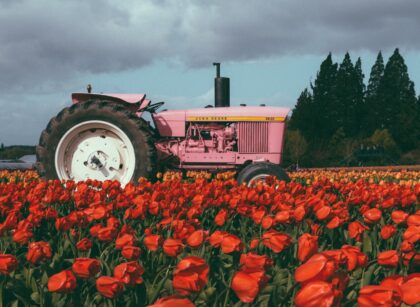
(253, 137)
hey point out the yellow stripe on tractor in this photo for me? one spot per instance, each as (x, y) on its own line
(234, 119)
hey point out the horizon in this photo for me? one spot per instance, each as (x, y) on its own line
(268, 53)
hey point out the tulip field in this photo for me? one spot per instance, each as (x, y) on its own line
(327, 238)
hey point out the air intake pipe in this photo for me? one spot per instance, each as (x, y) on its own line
(221, 89)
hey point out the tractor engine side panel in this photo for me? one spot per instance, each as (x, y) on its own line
(170, 123)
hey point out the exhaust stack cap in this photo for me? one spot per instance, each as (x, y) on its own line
(221, 89)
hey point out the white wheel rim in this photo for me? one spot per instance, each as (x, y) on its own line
(255, 179)
(95, 150)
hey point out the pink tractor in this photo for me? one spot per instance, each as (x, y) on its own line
(103, 136)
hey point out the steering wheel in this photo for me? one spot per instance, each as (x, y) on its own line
(152, 107)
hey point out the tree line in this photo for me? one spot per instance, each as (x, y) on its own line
(338, 120)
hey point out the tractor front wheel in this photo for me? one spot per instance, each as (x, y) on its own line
(96, 140)
(260, 171)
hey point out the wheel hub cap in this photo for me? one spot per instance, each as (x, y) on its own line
(95, 150)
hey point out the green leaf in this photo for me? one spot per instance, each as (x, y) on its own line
(367, 243)
(35, 297)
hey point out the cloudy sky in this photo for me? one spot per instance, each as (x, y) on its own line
(270, 49)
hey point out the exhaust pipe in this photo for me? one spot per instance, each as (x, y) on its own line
(221, 89)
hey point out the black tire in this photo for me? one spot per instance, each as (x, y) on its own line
(136, 129)
(262, 168)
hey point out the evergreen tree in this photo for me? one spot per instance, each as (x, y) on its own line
(360, 75)
(302, 117)
(376, 75)
(398, 108)
(324, 100)
(349, 94)
(372, 106)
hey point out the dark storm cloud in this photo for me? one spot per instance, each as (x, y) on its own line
(45, 43)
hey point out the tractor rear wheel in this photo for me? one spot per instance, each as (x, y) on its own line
(99, 140)
(260, 171)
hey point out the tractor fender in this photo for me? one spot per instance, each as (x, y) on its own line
(133, 102)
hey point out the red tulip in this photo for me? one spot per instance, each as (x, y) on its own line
(220, 218)
(107, 234)
(38, 251)
(395, 282)
(307, 246)
(197, 238)
(8, 263)
(152, 242)
(190, 275)
(86, 267)
(356, 229)
(173, 301)
(129, 273)
(229, 243)
(372, 216)
(172, 247)
(399, 217)
(282, 217)
(410, 289)
(267, 222)
(323, 213)
(22, 236)
(84, 245)
(125, 239)
(355, 258)
(388, 258)
(372, 296)
(109, 287)
(317, 294)
(388, 231)
(248, 283)
(253, 261)
(276, 241)
(413, 220)
(318, 268)
(131, 252)
(63, 282)
(412, 234)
